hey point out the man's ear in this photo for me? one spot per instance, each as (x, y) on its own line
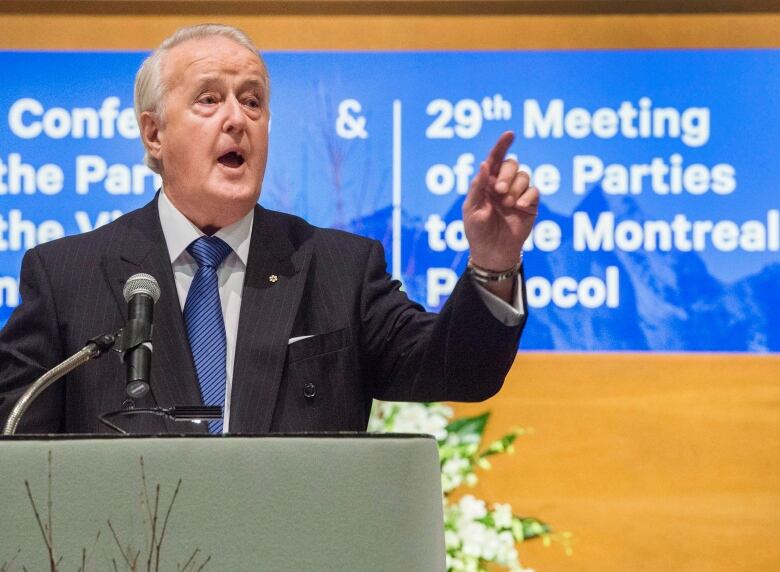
(150, 134)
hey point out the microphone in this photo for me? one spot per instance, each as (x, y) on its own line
(141, 292)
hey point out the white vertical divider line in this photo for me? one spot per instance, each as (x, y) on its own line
(396, 189)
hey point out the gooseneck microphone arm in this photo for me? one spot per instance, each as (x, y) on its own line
(94, 348)
(133, 342)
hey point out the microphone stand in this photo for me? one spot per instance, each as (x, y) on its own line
(94, 348)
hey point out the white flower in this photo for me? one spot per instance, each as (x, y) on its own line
(471, 439)
(490, 545)
(451, 539)
(453, 440)
(418, 418)
(455, 466)
(441, 409)
(450, 483)
(452, 472)
(502, 515)
(474, 536)
(472, 508)
(454, 563)
(507, 553)
(471, 545)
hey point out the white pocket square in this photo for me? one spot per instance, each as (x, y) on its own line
(298, 339)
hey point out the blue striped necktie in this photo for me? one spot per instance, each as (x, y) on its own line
(205, 324)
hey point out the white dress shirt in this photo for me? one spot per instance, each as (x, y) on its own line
(179, 233)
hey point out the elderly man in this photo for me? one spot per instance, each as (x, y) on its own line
(289, 327)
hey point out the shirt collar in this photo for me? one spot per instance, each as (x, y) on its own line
(179, 231)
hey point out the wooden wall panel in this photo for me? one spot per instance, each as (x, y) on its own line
(654, 462)
(402, 32)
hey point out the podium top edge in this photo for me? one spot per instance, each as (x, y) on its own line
(321, 435)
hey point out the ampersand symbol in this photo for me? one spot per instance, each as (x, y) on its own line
(349, 126)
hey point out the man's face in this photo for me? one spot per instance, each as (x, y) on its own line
(213, 137)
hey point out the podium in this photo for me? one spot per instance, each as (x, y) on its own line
(321, 502)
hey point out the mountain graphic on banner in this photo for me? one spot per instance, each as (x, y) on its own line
(676, 304)
(669, 301)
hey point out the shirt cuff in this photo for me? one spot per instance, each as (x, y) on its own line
(508, 314)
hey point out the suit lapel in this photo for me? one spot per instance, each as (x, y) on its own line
(143, 250)
(273, 286)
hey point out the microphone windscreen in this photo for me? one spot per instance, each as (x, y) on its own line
(141, 284)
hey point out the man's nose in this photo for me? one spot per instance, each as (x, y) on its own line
(235, 119)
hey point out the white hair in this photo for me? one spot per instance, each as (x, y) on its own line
(150, 88)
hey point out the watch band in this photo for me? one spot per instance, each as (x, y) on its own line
(484, 275)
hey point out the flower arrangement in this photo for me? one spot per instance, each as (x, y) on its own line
(475, 533)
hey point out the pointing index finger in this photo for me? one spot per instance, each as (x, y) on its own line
(497, 154)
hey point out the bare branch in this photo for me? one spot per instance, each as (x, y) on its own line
(118, 543)
(94, 546)
(154, 528)
(145, 498)
(49, 548)
(49, 510)
(190, 560)
(202, 566)
(165, 525)
(6, 567)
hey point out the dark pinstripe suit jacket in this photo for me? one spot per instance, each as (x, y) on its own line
(369, 341)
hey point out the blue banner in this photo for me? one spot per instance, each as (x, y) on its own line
(659, 227)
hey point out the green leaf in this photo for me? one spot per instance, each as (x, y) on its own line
(529, 527)
(469, 425)
(500, 445)
(487, 520)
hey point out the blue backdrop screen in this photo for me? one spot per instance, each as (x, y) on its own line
(660, 223)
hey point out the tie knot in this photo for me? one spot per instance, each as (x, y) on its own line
(209, 251)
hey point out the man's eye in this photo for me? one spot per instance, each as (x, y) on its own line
(207, 99)
(252, 102)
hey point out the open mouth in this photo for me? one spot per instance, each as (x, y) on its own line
(233, 159)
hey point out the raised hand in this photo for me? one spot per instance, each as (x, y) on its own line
(499, 211)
